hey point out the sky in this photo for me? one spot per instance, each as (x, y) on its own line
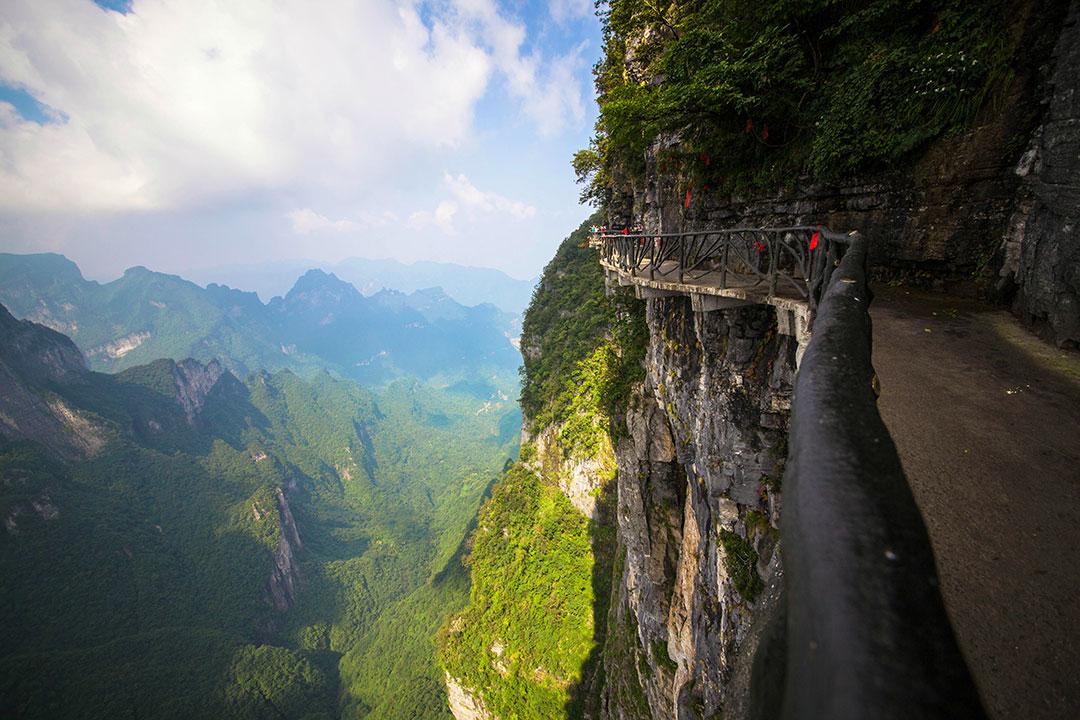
(200, 133)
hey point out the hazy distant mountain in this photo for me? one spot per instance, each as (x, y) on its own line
(465, 284)
(322, 321)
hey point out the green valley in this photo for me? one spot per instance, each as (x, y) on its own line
(181, 543)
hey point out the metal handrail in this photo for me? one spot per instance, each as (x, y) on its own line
(866, 631)
(796, 260)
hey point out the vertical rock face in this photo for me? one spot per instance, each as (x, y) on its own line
(1042, 245)
(194, 381)
(285, 578)
(698, 505)
(464, 705)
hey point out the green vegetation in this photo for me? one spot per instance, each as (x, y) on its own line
(751, 94)
(740, 559)
(529, 628)
(136, 578)
(583, 350)
(530, 639)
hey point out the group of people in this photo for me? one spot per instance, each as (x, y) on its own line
(603, 230)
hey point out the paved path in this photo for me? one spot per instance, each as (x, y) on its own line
(987, 421)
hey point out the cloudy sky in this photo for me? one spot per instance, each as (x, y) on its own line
(184, 134)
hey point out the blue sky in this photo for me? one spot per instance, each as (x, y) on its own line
(197, 134)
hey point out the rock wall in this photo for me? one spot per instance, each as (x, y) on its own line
(1042, 245)
(698, 506)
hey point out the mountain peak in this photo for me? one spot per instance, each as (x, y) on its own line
(317, 288)
(57, 268)
(38, 353)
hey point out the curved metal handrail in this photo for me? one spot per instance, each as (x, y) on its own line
(796, 259)
(866, 631)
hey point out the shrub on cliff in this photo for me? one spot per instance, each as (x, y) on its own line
(760, 93)
(582, 350)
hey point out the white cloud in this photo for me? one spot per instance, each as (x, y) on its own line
(476, 200)
(180, 104)
(550, 97)
(305, 221)
(470, 200)
(442, 217)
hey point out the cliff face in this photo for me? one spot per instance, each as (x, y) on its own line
(698, 503)
(34, 360)
(1042, 245)
(193, 382)
(284, 582)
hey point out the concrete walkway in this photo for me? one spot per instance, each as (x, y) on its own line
(987, 421)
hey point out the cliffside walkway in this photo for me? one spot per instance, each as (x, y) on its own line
(971, 455)
(858, 628)
(986, 419)
(787, 268)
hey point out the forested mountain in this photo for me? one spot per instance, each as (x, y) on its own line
(181, 543)
(323, 322)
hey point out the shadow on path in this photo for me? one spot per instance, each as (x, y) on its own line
(987, 421)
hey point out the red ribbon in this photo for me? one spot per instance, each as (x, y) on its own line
(686, 202)
(814, 240)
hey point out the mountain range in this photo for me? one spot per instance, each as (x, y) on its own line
(321, 322)
(181, 543)
(467, 285)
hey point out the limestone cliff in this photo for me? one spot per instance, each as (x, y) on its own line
(698, 503)
(285, 578)
(193, 382)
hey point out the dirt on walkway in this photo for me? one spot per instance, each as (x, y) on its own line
(987, 421)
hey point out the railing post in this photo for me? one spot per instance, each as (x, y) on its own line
(773, 256)
(724, 261)
(682, 257)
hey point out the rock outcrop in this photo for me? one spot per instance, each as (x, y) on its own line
(581, 479)
(285, 578)
(464, 704)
